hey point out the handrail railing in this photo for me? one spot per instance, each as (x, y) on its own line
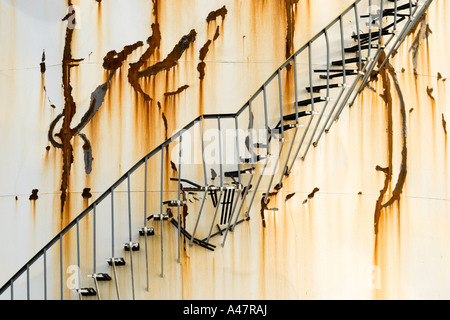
(271, 93)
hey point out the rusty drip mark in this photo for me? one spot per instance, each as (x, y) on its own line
(176, 92)
(154, 43)
(65, 133)
(263, 207)
(112, 62)
(87, 149)
(311, 195)
(42, 65)
(172, 59)
(290, 16)
(403, 166)
(444, 124)
(387, 97)
(423, 33)
(430, 93)
(202, 55)
(173, 166)
(166, 126)
(216, 34)
(213, 15)
(86, 193)
(289, 196)
(34, 194)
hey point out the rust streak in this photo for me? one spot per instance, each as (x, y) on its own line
(154, 43)
(387, 98)
(212, 16)
(112, 62)
(178, 91)
(444, 124)
(290, 16)
(172, 59)
(289, 196)
(34, 194)
(403, 166)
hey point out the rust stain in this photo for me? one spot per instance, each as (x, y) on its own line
(111, 62)
(289, 196)
(202, 55)
(291, 6)
(42, 64)
(87, 149)
(172, 59)
(430, 93)
(34, 194)
(213, 15)
(311, 195)
(154, 43)
(444, 124)
(423, 33)
(86, 194)
(178, 91)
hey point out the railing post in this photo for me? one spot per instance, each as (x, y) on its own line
(161, 210)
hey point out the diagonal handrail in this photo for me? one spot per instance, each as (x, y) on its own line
(341, 101)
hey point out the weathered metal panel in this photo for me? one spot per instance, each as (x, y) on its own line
(172, 63)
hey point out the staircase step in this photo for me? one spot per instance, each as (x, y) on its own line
(234, 174)
(307, 102)
(338, 75)
(257, 158)
(100, 276)
(363, 47)
(174, 203)
(116, 261)
(149, 230)
(134, 246)
(157, 217)
(317, 89)
(86, 291)
(350, 60)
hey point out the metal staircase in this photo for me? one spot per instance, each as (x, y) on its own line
(170, 194)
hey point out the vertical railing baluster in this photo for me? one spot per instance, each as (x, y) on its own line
(205, 195)
(45, 273)
(145, 223)
(238, 155)
(61, 266)
(179, 198)
(78, 258)
(344, 84)
(272, 175)
(327, 42)
(112, 222)
(370, 30)
(380, 27)
(161, 210)
(94, 237)
(28, 282)
(289, 169)
(219, 129)
(284, 170)
(129, 206)
(266, 120)
(130, 237)
(395, 15)
(358, 36)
